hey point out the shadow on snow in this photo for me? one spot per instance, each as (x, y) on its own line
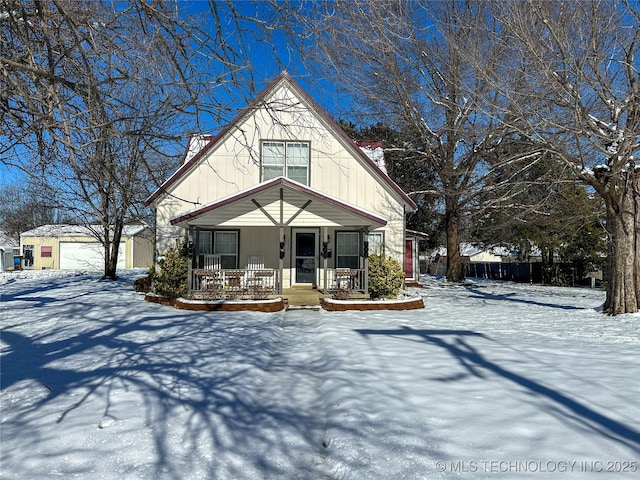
(204, 372)
(474, 362)
(513, 297)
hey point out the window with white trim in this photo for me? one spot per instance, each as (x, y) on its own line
(225, 244)
(204, 243)
(376, 243)
(285, 159)
(347, 250)
(221, 242)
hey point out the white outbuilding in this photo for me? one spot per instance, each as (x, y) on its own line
(76, 247)
(8, 254)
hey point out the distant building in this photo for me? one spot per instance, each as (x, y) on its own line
(75, 247)
(9, 253)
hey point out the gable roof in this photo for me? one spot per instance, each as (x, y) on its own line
(210, 141)
(272, 194)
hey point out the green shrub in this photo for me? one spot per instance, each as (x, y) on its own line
(386, 277)
(170, 278)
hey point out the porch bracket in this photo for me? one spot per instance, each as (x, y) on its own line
(300, 210)
(261, 208)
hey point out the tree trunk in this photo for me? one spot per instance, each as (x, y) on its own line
(636, 246)
(452, 226)
(623, 272)
(544, 255)
(111, 253)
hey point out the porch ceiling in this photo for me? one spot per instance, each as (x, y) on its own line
(279, 202)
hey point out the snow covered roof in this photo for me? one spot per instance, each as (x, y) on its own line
(196, 143)
(374, 149)
(470, 250)
(415, 233)
(64, 230)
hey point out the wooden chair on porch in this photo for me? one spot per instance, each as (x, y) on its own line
(255, 262)
(345, 279)
(259, 280)
(212, 262)
(211, 276)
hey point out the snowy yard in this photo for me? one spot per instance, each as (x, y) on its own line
(490, 380)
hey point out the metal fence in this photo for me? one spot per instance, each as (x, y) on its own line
(565, 274)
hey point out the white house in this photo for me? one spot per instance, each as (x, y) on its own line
(283, 189)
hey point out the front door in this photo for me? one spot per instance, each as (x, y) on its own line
(305, 250)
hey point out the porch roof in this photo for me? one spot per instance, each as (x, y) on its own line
(279, 202)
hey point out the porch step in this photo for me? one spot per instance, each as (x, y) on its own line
(298, 298)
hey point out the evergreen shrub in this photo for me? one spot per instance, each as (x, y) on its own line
(170, 278)
(386, 277)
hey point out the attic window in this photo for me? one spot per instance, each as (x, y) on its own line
(285, 159)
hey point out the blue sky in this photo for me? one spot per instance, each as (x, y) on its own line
(267, 64)
(264, 68)
(6, 176)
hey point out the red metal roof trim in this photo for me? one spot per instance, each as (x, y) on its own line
(280, 181)
(259, 98)
(214, 139)
(350, 141)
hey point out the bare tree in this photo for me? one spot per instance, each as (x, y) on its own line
(402, 64)
(574, 89)
(24, 206)
(93, 93)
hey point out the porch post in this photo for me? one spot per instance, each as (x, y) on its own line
(324, 258)
(281, 261)
(366, 261)
(283, 246)
(190, 250)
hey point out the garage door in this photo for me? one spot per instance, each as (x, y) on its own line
(86, 256)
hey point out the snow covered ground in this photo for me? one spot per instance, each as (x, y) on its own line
(490, 380)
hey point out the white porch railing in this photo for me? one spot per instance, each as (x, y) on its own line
(250, 283)
(234, 283)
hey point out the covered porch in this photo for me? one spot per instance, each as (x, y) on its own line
(277, 235)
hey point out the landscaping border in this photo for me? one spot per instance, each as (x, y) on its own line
(279, 304)
(332, 305)
(267, 306)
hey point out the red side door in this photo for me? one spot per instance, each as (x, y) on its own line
(408, 259)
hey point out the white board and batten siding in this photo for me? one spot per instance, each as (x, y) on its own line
(333, 170)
